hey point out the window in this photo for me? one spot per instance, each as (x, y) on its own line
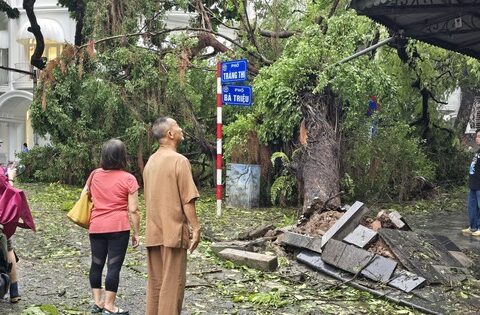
(3, 62)
(51, 51)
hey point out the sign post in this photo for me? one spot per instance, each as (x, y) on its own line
(229, 72)
(219, 139)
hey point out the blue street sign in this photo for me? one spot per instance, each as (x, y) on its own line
(234, 71)
(237, 95)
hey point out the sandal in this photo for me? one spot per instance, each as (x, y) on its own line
(118, 312)
(15, 299)
(95, 309)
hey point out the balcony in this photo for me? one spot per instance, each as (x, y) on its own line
(22, 81)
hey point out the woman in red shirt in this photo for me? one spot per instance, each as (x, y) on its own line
(115, 211)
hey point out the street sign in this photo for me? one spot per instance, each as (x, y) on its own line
(234, 71)
(237, 95)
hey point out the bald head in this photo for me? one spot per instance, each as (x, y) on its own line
(161, 126)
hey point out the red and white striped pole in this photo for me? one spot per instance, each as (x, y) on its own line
(219, 139)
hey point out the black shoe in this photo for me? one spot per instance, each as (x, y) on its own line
(96, 309)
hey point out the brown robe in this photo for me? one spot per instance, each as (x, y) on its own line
(168, 185)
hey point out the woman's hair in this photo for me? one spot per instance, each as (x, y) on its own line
(114, 155)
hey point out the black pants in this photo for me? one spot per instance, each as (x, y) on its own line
(111, 245)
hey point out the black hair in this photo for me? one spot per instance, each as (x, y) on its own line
(114, 155)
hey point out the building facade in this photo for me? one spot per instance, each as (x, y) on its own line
(16, 89)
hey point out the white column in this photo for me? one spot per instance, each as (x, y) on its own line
(4, 144)
(12, 141)
(20, 138)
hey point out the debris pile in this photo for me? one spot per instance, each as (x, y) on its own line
(350, 246)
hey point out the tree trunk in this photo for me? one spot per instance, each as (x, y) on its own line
(466, 105)
(318, 164)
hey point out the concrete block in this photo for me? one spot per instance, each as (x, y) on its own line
(256, 232)
(361, 236)
(406, 281)
(315, 245)
(217, 247)
(462, 258)
(397, 220)
(452, 275)
(303, 241)
(314, 260)
(380, 269)
(252, 260)
(347, 223)
(346, 257)
(296, 240)
(447, 243)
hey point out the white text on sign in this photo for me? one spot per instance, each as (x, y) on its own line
(227, 98)
(236, 75)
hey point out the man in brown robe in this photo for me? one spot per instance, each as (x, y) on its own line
(170, 195)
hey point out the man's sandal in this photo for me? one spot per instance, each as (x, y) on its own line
(15, 299)
(118, 312)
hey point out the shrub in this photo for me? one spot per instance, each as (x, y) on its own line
(57, 164)
(386, 165)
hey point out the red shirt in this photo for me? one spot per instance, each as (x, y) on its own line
(110, 190)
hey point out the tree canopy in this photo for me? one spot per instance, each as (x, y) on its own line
(133, 67)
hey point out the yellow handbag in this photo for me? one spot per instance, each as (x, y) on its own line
(80, 213)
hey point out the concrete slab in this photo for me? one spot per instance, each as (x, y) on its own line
(453, 275)
(407, 281)
(462, 258)
(418, 254)
(252, 260)
(346, 257)
(217, 247)
(256, 232)
(347, 223)
(303, 241)
(441, 242)
(314, 260)
(380, 269)
(315, 245)
(397, 220)
(361, 236)
(296, 240)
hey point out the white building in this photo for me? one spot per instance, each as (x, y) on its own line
(16, 47)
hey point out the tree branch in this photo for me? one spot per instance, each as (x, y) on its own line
(16, 70)
(37, 60)
(333, 8)
(279, 34)
(179, 29)
(80, 13)
(12, 13)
